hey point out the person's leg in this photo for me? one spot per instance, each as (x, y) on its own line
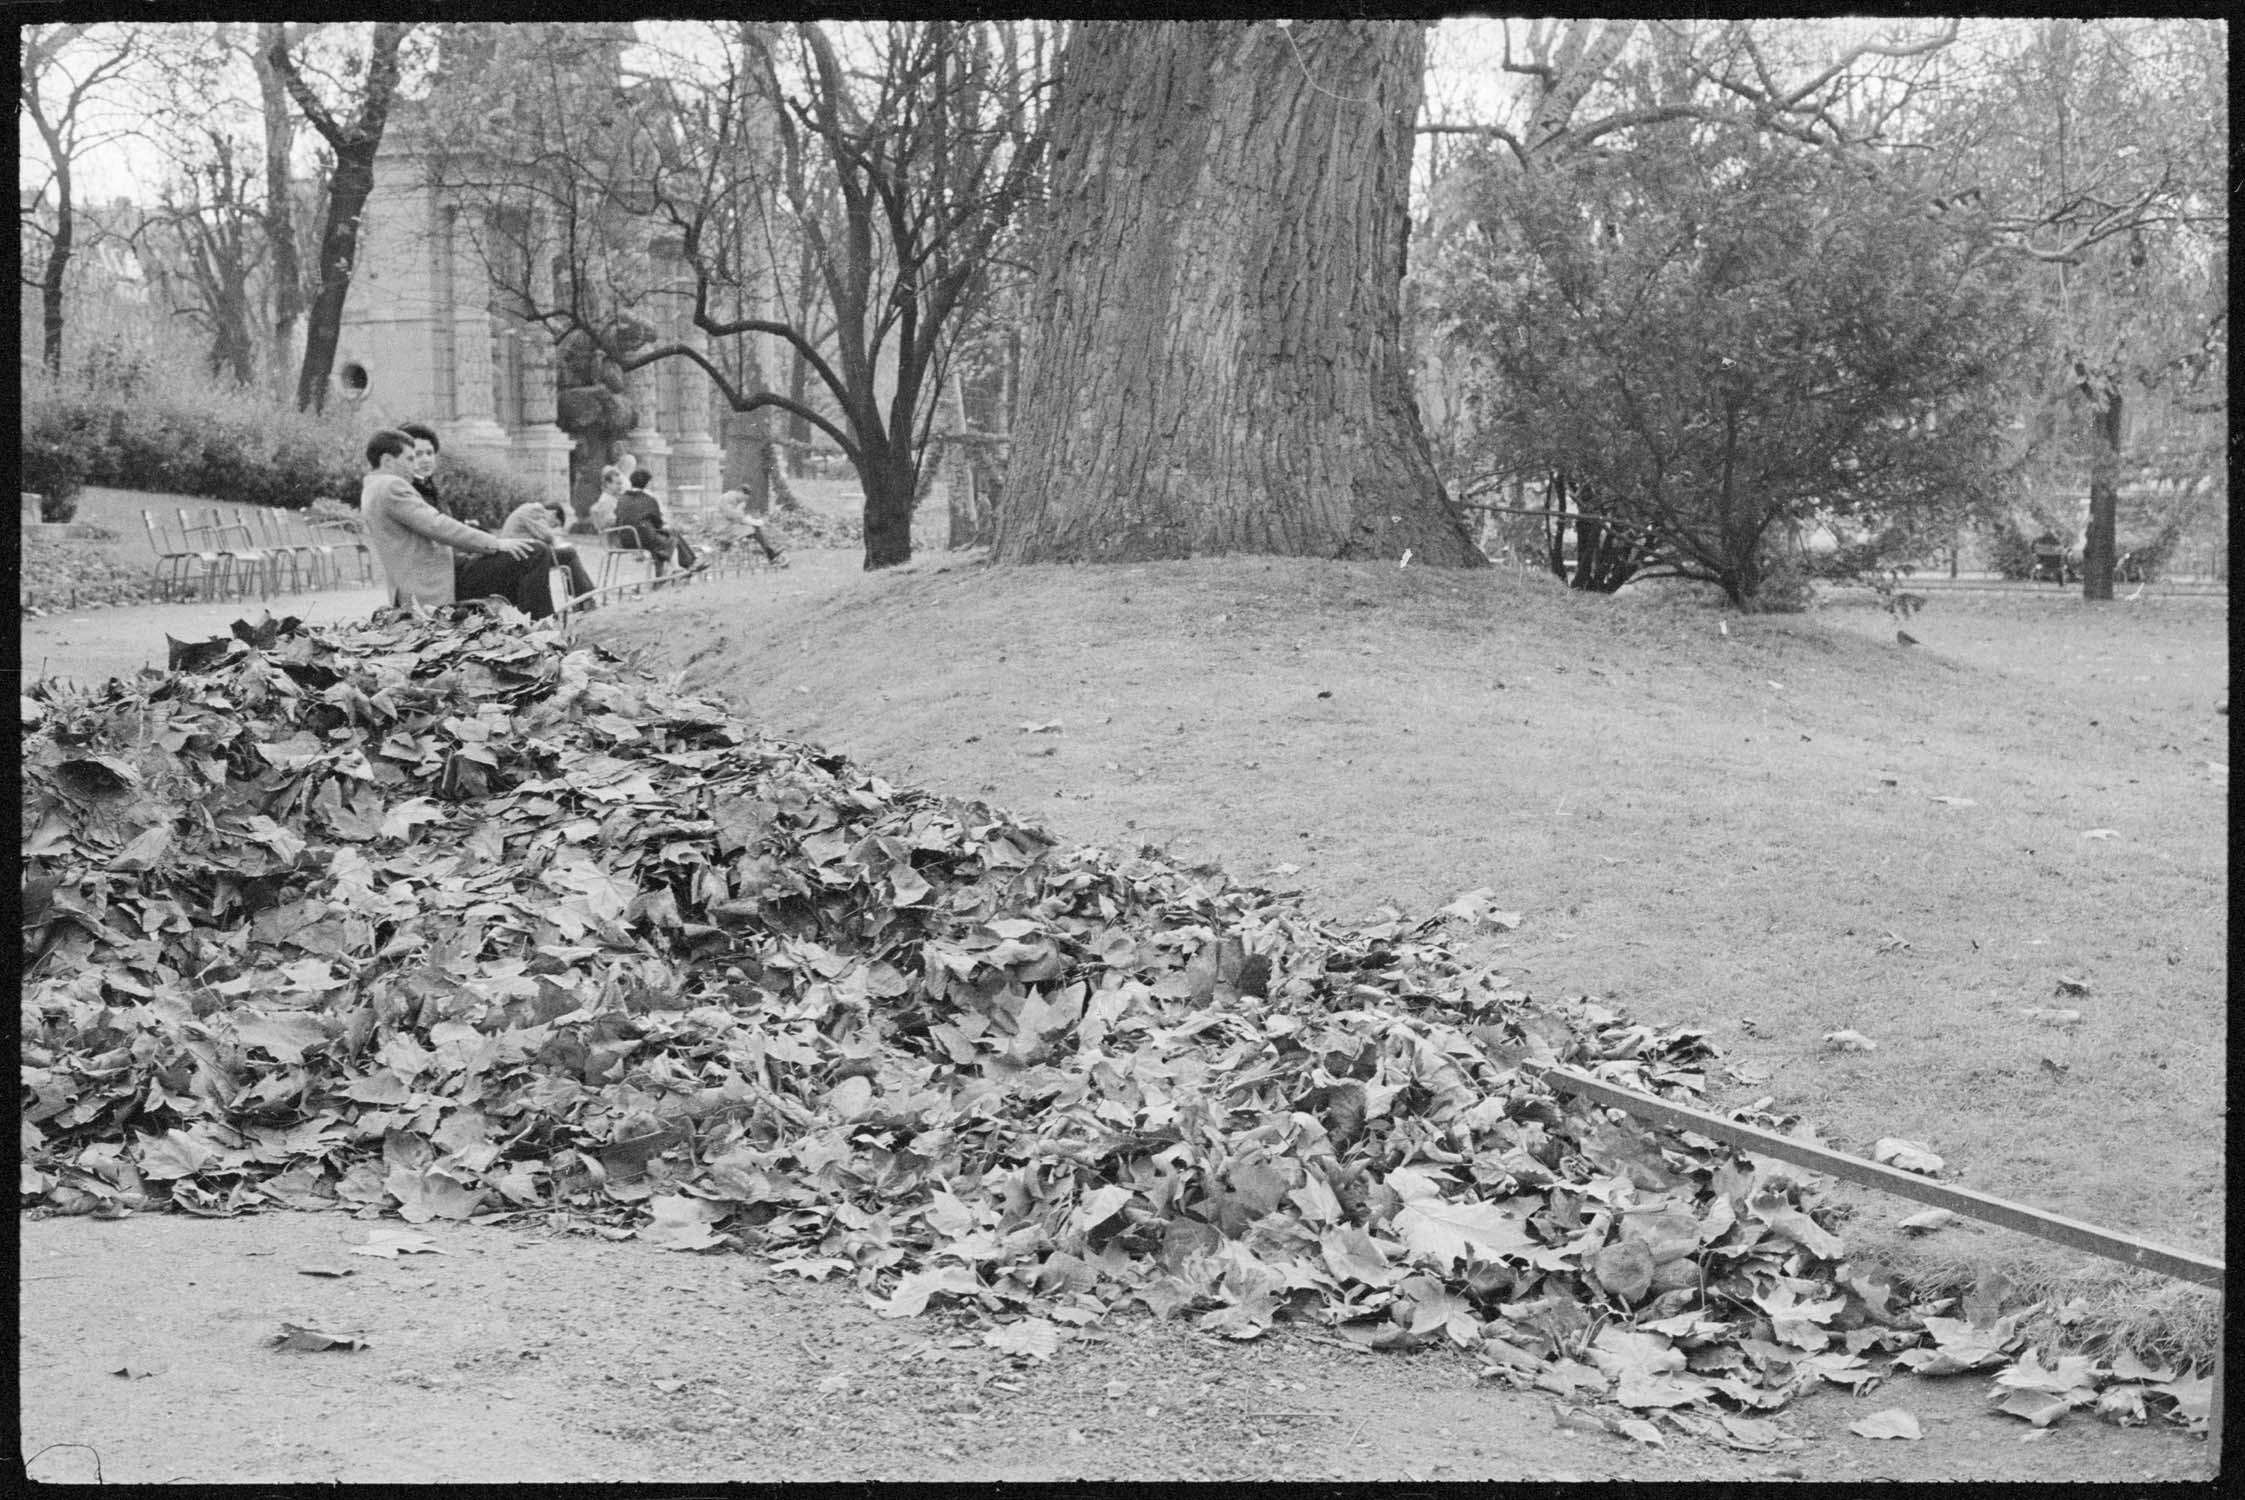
(580, 581)
(533, 584)
(685, 553)
(524, 582)
(482, 576)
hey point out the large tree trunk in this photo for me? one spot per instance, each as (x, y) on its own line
(798, 425)
(52, 275)
(885, 474)
(1217, 361)
(2098, 548)
(280, 206)
(349, 186)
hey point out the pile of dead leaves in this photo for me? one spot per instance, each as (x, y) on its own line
(446, 918)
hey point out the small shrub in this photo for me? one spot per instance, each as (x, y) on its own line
(1786, 588)
(2011, 552)
(478, 493)
(53, 462)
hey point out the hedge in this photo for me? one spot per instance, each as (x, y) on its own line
(139, 429)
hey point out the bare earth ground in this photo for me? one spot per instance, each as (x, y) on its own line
(524, 1357)
(1698, 824)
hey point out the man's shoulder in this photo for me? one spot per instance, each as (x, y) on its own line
(380, 486)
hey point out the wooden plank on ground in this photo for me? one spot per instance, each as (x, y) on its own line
(2127, 1249)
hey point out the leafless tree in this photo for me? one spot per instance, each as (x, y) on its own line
(66, 70)
(353, 131)
(881, 157)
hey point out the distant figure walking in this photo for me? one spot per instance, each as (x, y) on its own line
(638, 509)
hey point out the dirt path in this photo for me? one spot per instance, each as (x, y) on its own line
(521, 1356)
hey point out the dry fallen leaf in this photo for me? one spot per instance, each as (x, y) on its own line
(296, 1338)
(389, 1244)
(2051, 1017)
(1891, 1423)
(1910, 1156)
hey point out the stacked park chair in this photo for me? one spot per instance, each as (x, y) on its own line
(309, 561)
(183, 568)
(247, 566)
(339, 536)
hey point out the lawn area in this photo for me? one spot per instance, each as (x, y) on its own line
(1772, 827)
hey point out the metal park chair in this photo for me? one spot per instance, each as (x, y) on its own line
(182, 568)
(623, 544)
(341, 536)
(308, 559)
(247, 564)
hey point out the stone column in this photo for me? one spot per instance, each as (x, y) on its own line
(695, 457)
(540, 449)
(645, 442)
(474, 428)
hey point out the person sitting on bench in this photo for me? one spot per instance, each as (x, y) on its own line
(537, 520)
(429, 558)
(638, 509)
(738, 500)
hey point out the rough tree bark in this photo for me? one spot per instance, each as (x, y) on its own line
(280, 206)
(350, 183)
(53, 275)
(1217, 363)
(2099, 549)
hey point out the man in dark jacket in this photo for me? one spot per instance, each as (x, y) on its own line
(638, 508)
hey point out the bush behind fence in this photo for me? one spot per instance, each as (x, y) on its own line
(136, 425)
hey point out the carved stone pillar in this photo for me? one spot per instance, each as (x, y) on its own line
(539, 449)
(474, 428)
(695, 457)
(645, 442)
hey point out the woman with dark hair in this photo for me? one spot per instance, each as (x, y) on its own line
(428, 557)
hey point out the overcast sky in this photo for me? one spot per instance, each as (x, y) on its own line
(1465, 82)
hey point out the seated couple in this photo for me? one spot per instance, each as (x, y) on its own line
(429, 557)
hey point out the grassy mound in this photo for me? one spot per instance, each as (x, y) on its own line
(443, 918)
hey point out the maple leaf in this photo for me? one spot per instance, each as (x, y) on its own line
(1448, 1232)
